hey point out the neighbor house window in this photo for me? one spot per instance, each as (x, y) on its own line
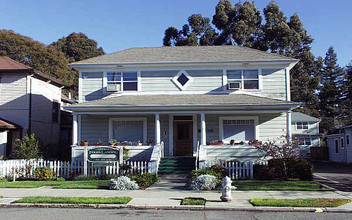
(129, 129)
(55, 112)
(342, 145)
(336, 146)
(126, 80)
(241, 129)
(302, 125)
(248, 79)
(347, 139)
(304, 141)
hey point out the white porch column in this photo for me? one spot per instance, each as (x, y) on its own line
(289, 127)
(75, 129)
(203, 135)
(157, 128)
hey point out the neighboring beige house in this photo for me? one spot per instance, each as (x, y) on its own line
(305, 129)
(183, 96)
(339, 143)
(29, 100)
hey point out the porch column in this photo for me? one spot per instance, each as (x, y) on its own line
(203, 135)
(157, 128)
(75, 129)
(289, 126)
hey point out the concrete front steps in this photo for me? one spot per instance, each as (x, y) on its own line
(176, 165)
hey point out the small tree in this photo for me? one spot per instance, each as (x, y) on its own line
(27, 148)
(281, 151)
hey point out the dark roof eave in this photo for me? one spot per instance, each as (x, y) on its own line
(180, 107)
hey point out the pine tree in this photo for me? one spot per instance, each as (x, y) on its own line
(346, 100)
(242, 23)
(330, 91)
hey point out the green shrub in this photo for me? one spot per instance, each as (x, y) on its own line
(27, 148)
(219, 169)
(301, 168)
(44, 173)
(145, 180)
(195, 173)
(60, 179)
(261, 172)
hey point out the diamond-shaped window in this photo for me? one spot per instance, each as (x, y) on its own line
(182, 80)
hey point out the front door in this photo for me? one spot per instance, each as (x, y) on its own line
(183, 138)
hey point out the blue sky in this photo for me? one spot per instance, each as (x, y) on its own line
(121, 24)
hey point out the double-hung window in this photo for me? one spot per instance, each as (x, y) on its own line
(127, 81)
(248, 79)
(302, 125)
(304, 142)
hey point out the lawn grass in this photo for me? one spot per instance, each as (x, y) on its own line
(299, 202)
(193, 201)
(278, 185)
(79, 184)
(74, 200)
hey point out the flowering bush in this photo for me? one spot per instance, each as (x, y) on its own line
(123, 183)
(204, 182)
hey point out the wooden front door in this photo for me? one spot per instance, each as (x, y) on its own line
(183, 138)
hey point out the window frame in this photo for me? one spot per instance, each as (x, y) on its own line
(304, 141)
(221, 125)
(303, 125)
(178, 84)
(347, 140)
(122, 80)
(145, 126)
(242, 80)
(336, 145)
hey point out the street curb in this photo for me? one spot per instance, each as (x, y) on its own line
(189, 208)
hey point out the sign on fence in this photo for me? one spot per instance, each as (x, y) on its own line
(103, 154)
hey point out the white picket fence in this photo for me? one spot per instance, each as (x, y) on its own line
(236, 170)
(66, 169)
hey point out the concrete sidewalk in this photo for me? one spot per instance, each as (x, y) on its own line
(169, 193)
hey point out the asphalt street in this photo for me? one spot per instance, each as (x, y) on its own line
(106, 214)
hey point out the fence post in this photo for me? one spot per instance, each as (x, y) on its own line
(85, 158)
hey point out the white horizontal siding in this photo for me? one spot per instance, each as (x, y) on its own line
(274, 85)
(13, 91)
(272, 126)
(92, 86)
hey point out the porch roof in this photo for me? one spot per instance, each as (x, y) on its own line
(4, 124)
(203, 101)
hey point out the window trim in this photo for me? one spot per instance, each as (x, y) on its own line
(259, 73)
(221, 125)
(347, 140)
(302, 122)
(310, 140)
(179, 85)
(145, 126)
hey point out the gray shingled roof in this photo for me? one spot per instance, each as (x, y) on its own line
(185, 54)
(300, 117)
(182, 100)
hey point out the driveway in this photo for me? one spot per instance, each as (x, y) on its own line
(338, 176)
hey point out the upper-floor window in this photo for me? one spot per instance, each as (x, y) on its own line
(302, 125)
(336, 146)
(342, 145)
(347, 139)
(248, 79)
(126, 81)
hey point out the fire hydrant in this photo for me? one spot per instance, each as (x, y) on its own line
(226, 189)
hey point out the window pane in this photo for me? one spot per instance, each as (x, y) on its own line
(129, 76)
(250, 74)
(128, 131)
(251, 84)
(239, 130)
(308, 141)
(182, 79)
(234, 74)
(130, 86)
(114, 76)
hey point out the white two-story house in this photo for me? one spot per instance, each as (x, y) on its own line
(183, 96)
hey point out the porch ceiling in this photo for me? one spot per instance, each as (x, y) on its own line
(173, 102)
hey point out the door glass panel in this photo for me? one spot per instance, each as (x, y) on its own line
(182, 132)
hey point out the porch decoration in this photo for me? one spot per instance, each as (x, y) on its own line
(226, 189)
(216, 142)
(112, 142)
(150, 142)
(84, 143)
(99, 143)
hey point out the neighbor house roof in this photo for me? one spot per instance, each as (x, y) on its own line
(300, 117)
(8, 65)
(185, 54)
(4, 124)
(200, 100)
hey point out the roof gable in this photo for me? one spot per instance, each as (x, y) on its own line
(300, 117)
